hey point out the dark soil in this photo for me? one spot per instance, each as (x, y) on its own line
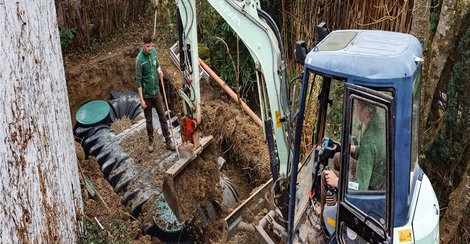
(136, 146)
(198, 183)
(241, 140)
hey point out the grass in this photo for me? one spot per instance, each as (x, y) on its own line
(115, 232)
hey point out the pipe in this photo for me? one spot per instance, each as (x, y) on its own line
(231, 93)
(275, 29)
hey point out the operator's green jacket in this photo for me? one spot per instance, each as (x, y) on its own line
(146, 72)
(371, 164)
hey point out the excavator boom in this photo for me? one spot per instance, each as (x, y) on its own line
(260, 35)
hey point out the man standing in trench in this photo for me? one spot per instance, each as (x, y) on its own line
(146, 69)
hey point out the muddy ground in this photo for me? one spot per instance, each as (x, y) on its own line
(236, 138)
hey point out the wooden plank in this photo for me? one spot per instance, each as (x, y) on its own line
(403, 17)
(369, 10)
(169, 192)
(183, 162)
(396, 12)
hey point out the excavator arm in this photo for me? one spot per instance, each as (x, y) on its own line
(260, 35)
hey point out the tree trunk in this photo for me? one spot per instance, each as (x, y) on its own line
(459, 199)
(420, 28)
(420, 23)
(40, 197)
(444, 41)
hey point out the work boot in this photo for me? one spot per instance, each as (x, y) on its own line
(150, 147)
(169, 144)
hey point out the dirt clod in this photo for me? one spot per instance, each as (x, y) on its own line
(121, 125)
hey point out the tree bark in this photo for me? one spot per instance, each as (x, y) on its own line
(459, 199)
(40, 197)
(420, 23)
(420, 28)
(444, 41)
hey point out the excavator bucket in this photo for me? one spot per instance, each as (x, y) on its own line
(186, 157)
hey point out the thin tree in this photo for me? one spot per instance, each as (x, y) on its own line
(452, 15)
(39, 185)
(457, 122)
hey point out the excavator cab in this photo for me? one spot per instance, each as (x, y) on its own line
(368, 102)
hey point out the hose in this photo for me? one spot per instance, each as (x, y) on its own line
(273, 25)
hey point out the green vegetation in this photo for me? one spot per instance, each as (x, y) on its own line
(66, 36)
(229, 56)
(215, 33)
(446, 150)
(116, 232)
(335, 111)
(434, 15)
(166, 23)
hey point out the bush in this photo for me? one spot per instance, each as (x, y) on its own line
(66, 36)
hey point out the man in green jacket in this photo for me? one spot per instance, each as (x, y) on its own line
(146, 69)
(371, 164)
(367, 173)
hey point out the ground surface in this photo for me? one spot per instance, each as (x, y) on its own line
(117, 224)
(236, 138)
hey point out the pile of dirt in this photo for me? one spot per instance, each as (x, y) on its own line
(244, 237)
(241, 140)
(136, 146)
(198, 183)
(121, 125)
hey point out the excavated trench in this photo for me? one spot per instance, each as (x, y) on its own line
(119, 146)
(204, 191)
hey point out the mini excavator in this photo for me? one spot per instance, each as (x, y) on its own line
(346, 68)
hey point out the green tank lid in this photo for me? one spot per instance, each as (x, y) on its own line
(92, 112)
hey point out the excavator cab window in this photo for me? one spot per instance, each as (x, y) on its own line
(334, 114)
(323, 113)
(365, 196)
(367, 168)
(329, 111)
(415, 121)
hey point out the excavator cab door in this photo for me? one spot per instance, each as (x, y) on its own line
(365, 188)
